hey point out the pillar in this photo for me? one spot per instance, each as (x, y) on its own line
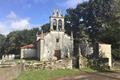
(51, 24)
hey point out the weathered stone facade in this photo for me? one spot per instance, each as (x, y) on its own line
(56, 44)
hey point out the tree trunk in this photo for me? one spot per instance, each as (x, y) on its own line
(76, 51)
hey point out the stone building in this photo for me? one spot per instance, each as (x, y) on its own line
(105, 53)
(54, 45)
(28, 52)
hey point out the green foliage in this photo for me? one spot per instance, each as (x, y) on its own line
(46, 74)
(2, 41)
(100, 19)
(116, 54)
(46, 27)
(14, 40)
(99, 64)
(17, 39)
(87, 69)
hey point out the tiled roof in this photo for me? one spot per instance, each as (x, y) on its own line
(28, 46)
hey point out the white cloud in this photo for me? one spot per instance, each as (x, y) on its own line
(72, 3)
(12, 15)
(3, 28)
(20, 25)
(13, 22)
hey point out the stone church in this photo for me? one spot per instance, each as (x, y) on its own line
(57, 45)
(54, 45)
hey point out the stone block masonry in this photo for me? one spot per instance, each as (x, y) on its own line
(52, 65)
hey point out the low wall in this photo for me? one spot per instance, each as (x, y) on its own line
(60, 64)
(83, 62)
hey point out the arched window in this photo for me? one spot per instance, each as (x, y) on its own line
(60, 25)
(54, 24)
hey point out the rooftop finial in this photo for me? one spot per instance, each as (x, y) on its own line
(57, 13)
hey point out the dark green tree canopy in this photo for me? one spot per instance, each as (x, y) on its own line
(17, 39)
(101, 19)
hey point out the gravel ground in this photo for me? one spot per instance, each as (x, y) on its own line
(94, 76)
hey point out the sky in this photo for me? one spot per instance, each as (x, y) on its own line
(27, 14)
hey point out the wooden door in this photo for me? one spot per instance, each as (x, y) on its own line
(58, 54)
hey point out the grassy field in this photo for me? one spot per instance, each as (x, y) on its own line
(46, 74)
(50, 74)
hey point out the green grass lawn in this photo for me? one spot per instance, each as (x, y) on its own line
(47, 74)
(51, 74)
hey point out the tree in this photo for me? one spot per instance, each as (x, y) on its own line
(16, 39)
(101, 19)
(46, 27)
(2, 41)
(74, 23)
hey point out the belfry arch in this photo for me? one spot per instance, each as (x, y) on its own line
(57, 21)
(54, 24)
(59, 24)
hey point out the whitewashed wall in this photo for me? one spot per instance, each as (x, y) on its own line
(28, 53)
(50, 45)
(105, 52)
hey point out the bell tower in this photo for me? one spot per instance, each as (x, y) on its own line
(57, 21)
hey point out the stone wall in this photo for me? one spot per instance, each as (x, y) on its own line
(105, 52)
(60, 64)
(83, 62)
(4, 64)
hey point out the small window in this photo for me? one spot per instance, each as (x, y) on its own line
(57, 40)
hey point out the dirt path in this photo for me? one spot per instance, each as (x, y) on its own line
(4, 72)
(10, 73)
(94, 76)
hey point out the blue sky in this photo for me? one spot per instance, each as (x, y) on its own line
(26, 14)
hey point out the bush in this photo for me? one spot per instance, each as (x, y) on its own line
(116, 54)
